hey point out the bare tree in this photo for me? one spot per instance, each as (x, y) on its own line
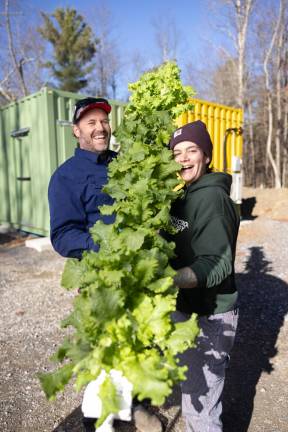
(19, 54)
(285, 136)
(269, 90)
(252, 72)
(137, 64)
(243, 10)
(107, 58)
(230, 77)
(17, 64)
(167, 37)
(223, 86)
(236, 17)
(279, 83)
(252, 170)
(284, 89)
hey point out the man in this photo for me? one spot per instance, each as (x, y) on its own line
(75, 189)
(75, 197)
(207, 226)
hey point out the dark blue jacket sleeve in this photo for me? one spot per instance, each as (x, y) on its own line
(69, 233)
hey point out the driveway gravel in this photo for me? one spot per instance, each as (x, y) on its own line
(33, 304)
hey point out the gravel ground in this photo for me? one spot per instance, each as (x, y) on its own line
(33, 303)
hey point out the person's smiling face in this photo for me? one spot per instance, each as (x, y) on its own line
(93, 130)
(193, 160)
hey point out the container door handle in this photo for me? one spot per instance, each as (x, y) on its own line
(20, 133)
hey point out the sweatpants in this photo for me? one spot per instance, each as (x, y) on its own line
(203, 387)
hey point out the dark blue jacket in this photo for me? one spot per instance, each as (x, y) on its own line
(75, 195)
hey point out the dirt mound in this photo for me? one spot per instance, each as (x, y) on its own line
(271, 203)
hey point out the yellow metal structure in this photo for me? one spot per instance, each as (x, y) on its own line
(224, 124)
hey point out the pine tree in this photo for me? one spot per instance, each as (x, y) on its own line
(74, 47)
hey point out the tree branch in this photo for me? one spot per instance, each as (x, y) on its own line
(17, 66)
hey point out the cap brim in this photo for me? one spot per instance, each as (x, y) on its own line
(101, 105)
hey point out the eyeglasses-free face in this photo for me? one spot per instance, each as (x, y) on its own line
(93, 131)
(193, 160)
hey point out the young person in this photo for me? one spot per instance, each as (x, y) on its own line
(206, 223)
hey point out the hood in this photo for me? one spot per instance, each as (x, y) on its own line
(218, 179)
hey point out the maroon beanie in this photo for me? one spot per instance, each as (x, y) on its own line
(195, 132)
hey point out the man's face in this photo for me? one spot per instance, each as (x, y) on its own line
(193, 160)
(93, 131)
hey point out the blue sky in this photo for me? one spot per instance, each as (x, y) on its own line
(194, 20)
(134, 29)
(133, 19)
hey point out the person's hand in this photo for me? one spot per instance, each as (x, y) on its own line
(185, 278)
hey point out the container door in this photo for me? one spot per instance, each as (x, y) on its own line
(23, 205)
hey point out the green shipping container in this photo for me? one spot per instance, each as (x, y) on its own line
(36, 138)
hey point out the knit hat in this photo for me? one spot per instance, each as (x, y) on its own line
(195, 132)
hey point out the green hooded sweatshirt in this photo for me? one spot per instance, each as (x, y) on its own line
(207, 226)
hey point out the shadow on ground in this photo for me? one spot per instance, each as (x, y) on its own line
(72, 423)
(247, 207)
(12, 239)
(263, 303)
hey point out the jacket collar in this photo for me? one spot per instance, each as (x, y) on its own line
(92, 156)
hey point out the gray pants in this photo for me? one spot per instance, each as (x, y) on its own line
(203, 387)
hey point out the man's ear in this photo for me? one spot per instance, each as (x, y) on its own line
(207, 160)
(76, 131)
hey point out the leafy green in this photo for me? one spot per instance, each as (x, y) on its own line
(54, 382)
(122, 316)
(71, 275)
(109, 398)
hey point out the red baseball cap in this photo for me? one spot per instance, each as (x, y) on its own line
(84, 105)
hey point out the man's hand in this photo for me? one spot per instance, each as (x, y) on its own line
(185, 278)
